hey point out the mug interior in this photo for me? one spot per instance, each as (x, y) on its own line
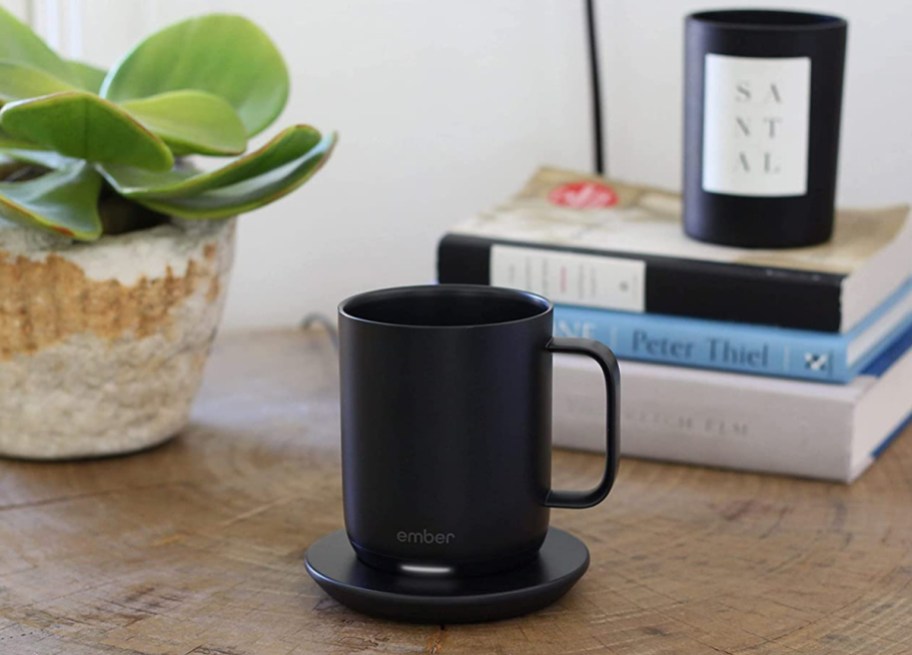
(446, 305)
(754, 18)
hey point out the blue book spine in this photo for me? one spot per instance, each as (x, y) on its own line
(759, 350)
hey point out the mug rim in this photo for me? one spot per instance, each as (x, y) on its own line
(749, 19)
(546, 306)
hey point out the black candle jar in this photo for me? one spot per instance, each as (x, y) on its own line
(762, 103)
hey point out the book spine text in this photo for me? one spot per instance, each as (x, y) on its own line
(703, 344)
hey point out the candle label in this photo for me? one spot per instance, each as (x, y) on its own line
(756, 115)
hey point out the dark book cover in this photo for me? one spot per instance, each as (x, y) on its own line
(583, 240)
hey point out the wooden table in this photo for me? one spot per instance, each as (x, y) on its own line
(196, 547)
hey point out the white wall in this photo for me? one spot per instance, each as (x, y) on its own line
(445, 107)
(19, 8)
(442, 109)
(642, 57)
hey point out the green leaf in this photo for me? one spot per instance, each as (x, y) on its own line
(46, 158)
(65, 202)
(8, 141)
(88, 77)
(192, 122)
(222, 54)
(284, 149)
(20, 44)
(252, 181)
(82, 125)
(19, 81)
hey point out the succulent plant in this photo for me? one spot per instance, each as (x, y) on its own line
(84, 152)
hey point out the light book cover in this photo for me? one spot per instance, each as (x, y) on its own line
(642, 219)
(746, 422)
(755, 349)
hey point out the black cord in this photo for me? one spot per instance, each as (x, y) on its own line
(596, 88)
(321, 321)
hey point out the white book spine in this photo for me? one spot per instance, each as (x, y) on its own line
(712, 418)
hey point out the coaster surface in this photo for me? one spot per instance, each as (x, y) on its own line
(332, 563)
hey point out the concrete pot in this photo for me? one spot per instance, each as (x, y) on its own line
(102, 345)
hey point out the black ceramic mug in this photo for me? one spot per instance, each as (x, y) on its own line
(446, 427)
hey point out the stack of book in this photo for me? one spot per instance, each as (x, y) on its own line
(792, 361)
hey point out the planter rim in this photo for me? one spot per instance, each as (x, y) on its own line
(170, 243)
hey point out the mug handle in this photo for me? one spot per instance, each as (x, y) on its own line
(606, 360)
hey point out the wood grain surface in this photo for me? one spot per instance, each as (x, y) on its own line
(196, 547)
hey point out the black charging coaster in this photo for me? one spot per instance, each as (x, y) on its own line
(332, 563)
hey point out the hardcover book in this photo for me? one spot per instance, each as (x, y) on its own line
(745, 422)
(756, 349)
(582, 240)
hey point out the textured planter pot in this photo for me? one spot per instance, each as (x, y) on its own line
(102, 345)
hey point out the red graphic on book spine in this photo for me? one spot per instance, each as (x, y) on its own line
(583, 195)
